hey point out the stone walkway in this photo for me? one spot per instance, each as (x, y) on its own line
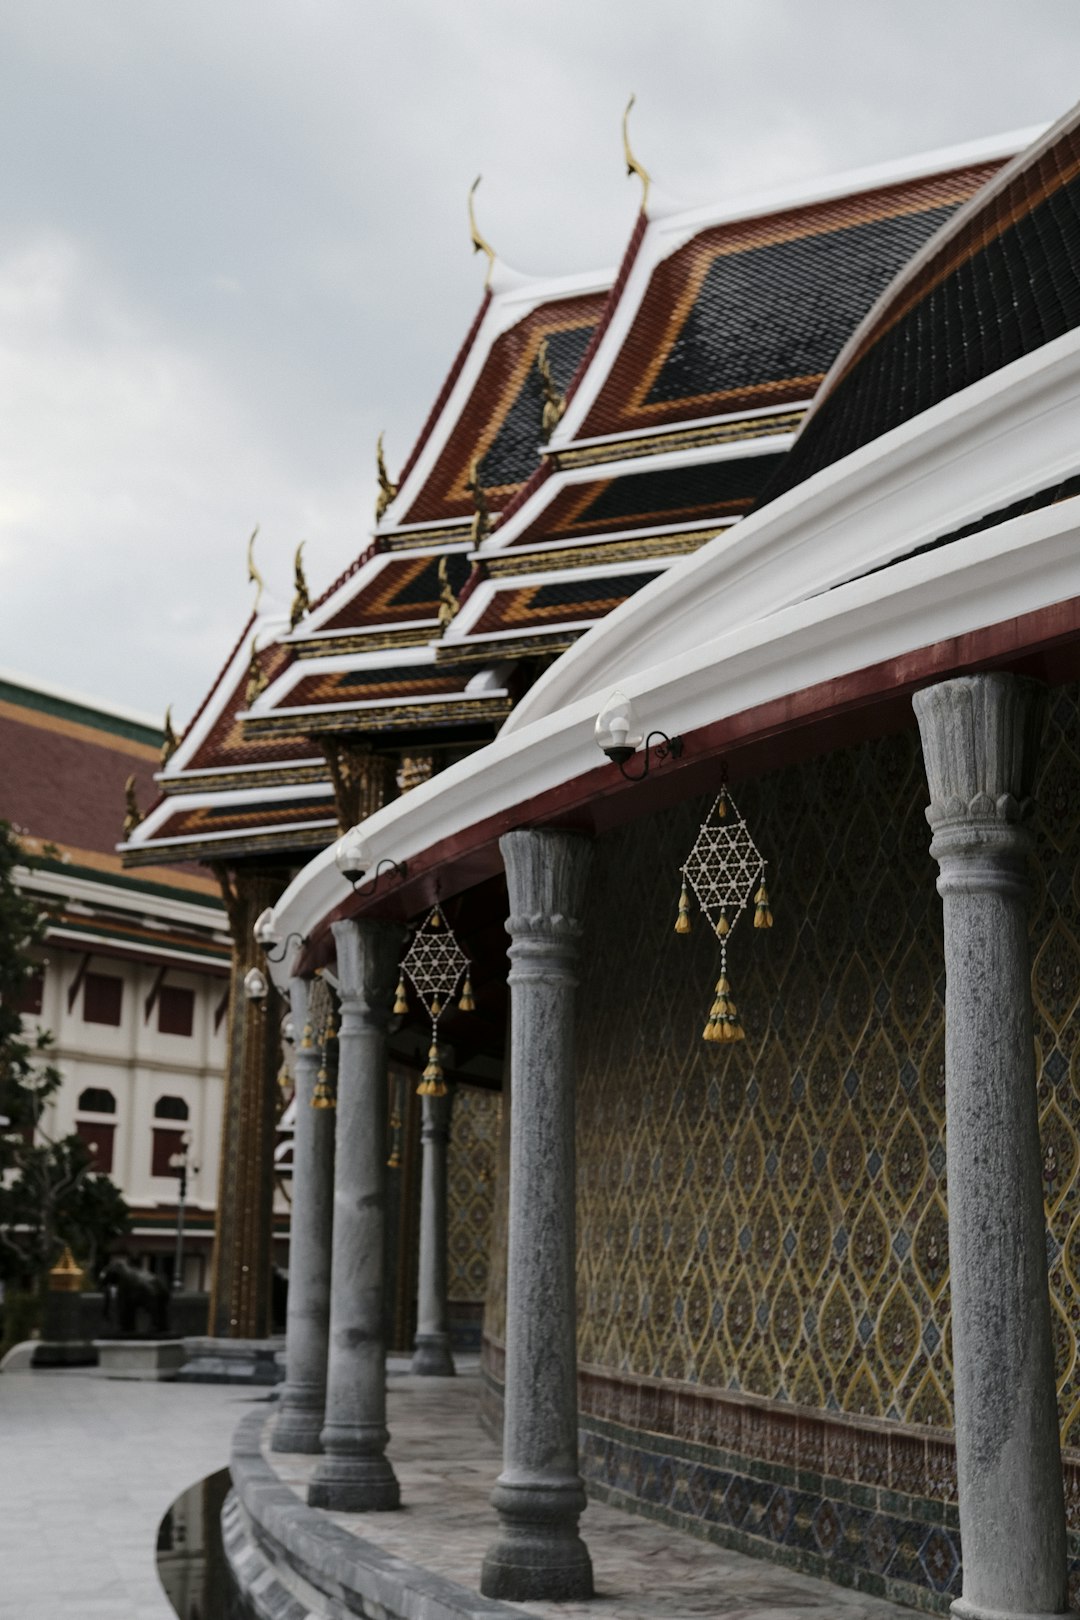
(88, 1468)
(643, 1570)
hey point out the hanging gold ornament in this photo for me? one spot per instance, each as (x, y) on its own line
(324, 1095)
(723, 869)
(435, 965)
(394, 1161)
(400, 1003)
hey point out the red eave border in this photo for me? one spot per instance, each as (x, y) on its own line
(868, 702)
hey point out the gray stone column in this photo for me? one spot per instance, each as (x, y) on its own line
(539, 1494)
(307, 1325)
(431, 1355)
(353, 1474)
(980, 737)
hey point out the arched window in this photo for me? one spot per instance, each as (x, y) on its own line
(170, 1108)
(96, 1100)
(97, 1133)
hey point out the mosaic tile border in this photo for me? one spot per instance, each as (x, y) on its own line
(865, 1503)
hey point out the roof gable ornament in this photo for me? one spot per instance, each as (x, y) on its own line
(254, 577)
(170, 742)
(301, 600)
(554, 402)
(387, 488)
(632, 164)
(448, 602)
(257, 680)
(481, 523)
(479, 242)
(132, 813)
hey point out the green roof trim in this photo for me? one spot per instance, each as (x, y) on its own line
(83, 714)
(138, 886)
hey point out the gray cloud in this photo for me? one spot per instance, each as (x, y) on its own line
(232, 248)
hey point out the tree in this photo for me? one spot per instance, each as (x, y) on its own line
(50, 1194)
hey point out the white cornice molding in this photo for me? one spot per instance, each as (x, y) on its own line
(1026, 564)
(1001, 439)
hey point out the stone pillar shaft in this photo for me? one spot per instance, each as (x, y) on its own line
(432, 1357)
(303, 1398)
(980, 741)
(354, 1475)
(539, 1494)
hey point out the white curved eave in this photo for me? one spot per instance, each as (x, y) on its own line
(1028, 563)
(995, 442)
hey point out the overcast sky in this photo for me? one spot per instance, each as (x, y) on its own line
(233, 246)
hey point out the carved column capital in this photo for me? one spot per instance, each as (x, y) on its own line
(367, 967)
(981, 736)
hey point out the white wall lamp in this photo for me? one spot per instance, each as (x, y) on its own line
(353, 860)
(619, 735)
(267, 935)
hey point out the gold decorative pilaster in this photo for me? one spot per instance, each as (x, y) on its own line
(240, 1284)
(363, 780)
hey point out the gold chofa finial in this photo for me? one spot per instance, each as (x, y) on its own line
(554, 402)
(632, 164)
(170, 740)
(132, 813)
(301, 600)
(480, 243)
(254, 576)
(387, 488)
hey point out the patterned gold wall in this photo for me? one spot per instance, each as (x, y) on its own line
(470, 1191)
(770, 1217)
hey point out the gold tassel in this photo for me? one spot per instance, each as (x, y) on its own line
(682, 922)
(762, 913)
(721, 808)
(436, 920)
(465, 1000)
(322, 1096)
(436, 1008)
(401, 1005)
(394, 1161)
(432, 1083)
(723, 927)
(307, 1040)
(724, 1022)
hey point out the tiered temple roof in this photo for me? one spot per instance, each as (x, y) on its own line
(590, 431)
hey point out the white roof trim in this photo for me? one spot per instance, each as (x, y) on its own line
(360, 580)
(696, 455)
(976, 452)
(666, 235)
(505, 310)
(460, 627)
(268, 627)
(1028, 563)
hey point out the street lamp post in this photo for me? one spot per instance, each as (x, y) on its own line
(179, 1163)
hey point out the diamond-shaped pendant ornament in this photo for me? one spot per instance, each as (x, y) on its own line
(435, 966)
(722, 871)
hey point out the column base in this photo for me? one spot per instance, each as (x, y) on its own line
(538, 1565)
(350, 1484)
(298, 1429)
(431, 1356)
(961, 1609)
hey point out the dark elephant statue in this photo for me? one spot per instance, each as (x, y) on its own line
(128, 1290)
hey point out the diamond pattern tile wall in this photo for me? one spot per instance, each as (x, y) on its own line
(771, 1216)
(471, 1167)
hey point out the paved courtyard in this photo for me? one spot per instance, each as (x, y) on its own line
(88, 1468)
(90, 1465)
